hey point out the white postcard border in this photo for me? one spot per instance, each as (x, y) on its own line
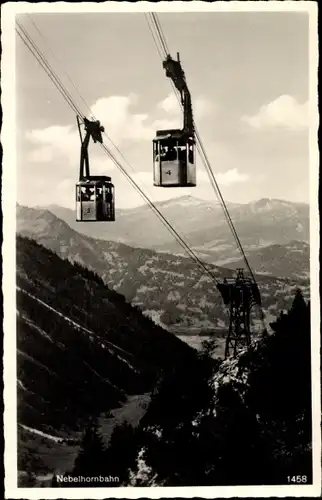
(9, 11)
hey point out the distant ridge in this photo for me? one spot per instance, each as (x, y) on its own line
(203, 225)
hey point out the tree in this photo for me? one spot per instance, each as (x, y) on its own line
(54, 482)
(284, 372)
(121, 453)
(28, 481)
(209, 346)
(91, 460)
(299, 305)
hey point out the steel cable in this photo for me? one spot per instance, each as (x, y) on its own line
(67, 96)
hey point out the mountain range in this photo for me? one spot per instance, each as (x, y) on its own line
(203, 225)
(171, 289)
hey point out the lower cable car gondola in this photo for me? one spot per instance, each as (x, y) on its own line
(174, 159)
(94, 194)
(95, 199)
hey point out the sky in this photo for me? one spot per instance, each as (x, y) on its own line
(248, 76)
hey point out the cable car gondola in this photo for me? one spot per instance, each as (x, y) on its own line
(173, 156)
(94, 194)
(95, 199)
(174, 150)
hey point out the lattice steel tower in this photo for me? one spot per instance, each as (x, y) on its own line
(240, 294)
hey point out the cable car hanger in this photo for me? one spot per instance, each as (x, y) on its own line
(173, 70)
(93, 129)
(174, 150)
(94, 194)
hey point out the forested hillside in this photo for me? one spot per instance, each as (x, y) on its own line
(82, 349)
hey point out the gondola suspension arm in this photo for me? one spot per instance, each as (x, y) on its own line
(173, 70)
(94, 130)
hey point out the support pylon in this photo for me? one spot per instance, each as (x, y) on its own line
(240, 294)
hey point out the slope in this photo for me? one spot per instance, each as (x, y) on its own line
(291, 260)
(81, 348)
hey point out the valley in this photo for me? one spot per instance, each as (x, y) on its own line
(58, 454)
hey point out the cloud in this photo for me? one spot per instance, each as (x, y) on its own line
(230, 177)
(166, 124)
(202, 108)
(43, 154)
(121, 125)
(52, 142)
(54, 152)
(226, 181)
(285, 112)
(172, 106)
(102, 164)
(120, 122)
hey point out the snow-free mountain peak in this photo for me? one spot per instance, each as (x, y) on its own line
(202, 224)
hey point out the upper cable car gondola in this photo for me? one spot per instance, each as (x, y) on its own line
(94, 194)
(174, 150)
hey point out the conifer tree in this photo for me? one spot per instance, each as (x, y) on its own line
(30, 480)
(54, 482)
(121, 452)
(209, 347)
(91, 460)
(299, 305)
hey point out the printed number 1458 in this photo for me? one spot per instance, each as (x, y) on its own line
(297, 479)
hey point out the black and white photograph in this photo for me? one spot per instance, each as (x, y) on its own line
(161, 249)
